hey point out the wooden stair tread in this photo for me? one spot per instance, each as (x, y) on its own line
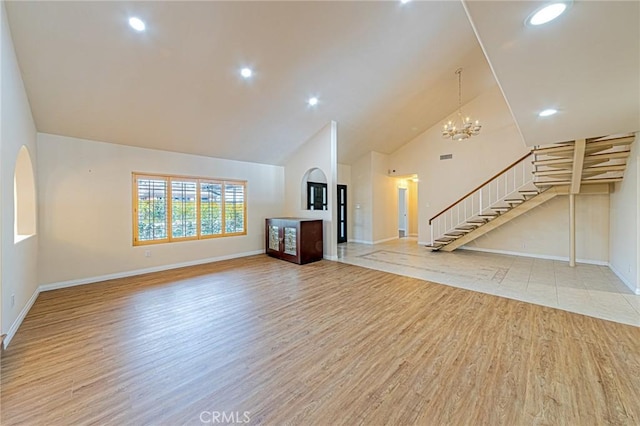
(610, 155)
(445, 240)
(466, 227)
(455, 234)
(604, 180)
(552, 172)
(552, 149)
(514, 200)
(610, 168)
(479, 221)
(553, 182)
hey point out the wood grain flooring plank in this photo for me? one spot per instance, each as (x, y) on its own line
(324, 343)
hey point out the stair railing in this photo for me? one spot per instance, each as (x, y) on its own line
(493, 191)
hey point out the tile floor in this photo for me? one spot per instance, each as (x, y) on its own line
(586, 289)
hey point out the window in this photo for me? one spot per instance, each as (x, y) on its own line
(176, 208)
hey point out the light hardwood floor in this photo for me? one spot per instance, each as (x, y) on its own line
(325, 343)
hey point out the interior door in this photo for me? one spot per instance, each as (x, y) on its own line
(342, 214)
(402, 212)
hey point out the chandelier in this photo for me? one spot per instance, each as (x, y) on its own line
(467, 128)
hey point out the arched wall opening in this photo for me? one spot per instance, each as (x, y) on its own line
(314, 190)
(24, 197)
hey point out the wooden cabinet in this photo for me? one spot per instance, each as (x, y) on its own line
(294, 239)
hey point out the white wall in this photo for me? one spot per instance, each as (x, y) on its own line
(317, 152)
(18, 268)
(362, 196)
(624, 229)
(86, 209)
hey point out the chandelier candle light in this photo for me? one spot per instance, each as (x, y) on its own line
(467, 128)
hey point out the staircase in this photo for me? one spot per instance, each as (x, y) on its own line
(580, 166)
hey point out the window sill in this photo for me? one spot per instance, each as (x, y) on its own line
(19, 238)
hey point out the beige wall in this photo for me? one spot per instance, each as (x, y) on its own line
(475, 160)
(86, 209)
(544, 231)
(624, 252)
(18, 260)
(375, 199)
(384, 198)
(317, 152)
(412, 193)
(361, 194)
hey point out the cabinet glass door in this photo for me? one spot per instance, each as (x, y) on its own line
(290, 246)
(274, 240)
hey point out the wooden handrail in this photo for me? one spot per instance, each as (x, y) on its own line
(483, 184)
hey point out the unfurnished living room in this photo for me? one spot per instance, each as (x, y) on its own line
(333, 212)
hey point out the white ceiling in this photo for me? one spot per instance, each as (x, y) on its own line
(585, 64)
(384, 71)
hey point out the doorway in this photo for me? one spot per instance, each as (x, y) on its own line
(342, 214)
(316, 196)
(403, 230)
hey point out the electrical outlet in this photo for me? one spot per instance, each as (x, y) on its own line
(13, 300)
(147, 253)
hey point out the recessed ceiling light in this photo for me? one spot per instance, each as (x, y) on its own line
(546, 13)
(313, 101)
(547, 112)
(136, 24)
(404, 1)
(246, 72)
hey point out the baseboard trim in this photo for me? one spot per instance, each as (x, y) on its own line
(327, 257)
(95, 279)
(384, 240)
(635, 290)
(360, 241)
(18, 322)
(535, 256)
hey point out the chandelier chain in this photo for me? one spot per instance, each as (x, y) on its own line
(459, 72)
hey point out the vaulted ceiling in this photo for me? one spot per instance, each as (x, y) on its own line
(383, 70)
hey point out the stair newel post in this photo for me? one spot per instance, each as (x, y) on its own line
(431, 226)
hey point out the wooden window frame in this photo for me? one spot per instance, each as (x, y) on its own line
(169, 211)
